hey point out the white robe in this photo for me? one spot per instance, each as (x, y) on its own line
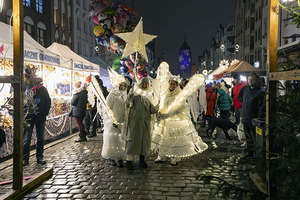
(113, 138)
(175, 136)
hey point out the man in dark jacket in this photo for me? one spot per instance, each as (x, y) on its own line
(252, 97)
(79, 102)
(42, 104)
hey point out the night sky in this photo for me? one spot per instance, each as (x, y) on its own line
(172, 19)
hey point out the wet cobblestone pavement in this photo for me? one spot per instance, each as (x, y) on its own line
(81, 173)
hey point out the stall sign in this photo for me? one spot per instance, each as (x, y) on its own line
(82, 66)
(40, 56)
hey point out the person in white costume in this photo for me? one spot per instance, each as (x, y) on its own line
(113, 112)
(174, 135)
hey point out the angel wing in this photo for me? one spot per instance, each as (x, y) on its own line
(161, 83)
(193, 85)
(94, 86)
(115, 78)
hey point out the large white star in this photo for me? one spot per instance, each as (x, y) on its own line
(136, 41)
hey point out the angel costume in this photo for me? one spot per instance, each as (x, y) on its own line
(139, 126)
(113, 139)
(113, 111)
(174, 136)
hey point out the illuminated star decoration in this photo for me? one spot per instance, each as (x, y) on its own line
(136, 41)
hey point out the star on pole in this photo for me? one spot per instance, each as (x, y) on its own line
(136, 41)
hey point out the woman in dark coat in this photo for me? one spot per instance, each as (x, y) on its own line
(79, 102)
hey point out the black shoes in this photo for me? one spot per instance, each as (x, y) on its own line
(41, 162)
(143, 164)
(81, 140)
(25, 162)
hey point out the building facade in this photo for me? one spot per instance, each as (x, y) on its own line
(62, 22)
(84, 39)
(222, 47)
(36, 19)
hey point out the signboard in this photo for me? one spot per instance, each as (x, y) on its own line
(41, 57)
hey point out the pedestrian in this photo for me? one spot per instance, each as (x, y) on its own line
(90, 122)
(237, 105)
(224, 101)
(174, 135)
(139, 125)
(79, 102)
(211, 99)
(113, 148)
(253, 97)
(37, 119)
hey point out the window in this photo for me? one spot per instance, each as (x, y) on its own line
(41, 29)
(78, 24)
(41, 36)
(69, 9)
(39, 6)
(84, 27)
(55, 4)
(26, 3)
(79, 48)
(28, 24)
(28, 28)
(84, 4)
(63, 8)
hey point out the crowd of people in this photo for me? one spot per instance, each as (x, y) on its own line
(145, 122)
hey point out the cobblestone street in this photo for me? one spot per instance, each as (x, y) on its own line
(81, 173)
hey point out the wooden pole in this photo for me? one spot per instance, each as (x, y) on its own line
(272, 66)
(18, 45)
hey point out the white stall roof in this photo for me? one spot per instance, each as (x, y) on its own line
(33, 51)
(78, 62)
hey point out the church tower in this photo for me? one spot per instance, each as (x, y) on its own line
(185, 59)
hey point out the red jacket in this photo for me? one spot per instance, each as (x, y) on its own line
(235, 92)
(211, 98)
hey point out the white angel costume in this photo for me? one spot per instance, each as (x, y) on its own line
(174, 136)
(112, 110)
(113, 139)
(113, 136)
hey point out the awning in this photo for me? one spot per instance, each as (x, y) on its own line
(231, 67)
(239, 67)
(242, 67)
(79, 63)
(33, 51)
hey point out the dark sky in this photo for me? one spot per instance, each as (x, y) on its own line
(171, 19)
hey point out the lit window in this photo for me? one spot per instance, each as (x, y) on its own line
(26, 3)
(39, 6)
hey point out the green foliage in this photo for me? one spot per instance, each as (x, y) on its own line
(294, 13)
(285, 144)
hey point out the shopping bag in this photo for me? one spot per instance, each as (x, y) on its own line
(240, 132)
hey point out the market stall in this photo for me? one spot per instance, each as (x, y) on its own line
(48, 66)
(81, 67)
